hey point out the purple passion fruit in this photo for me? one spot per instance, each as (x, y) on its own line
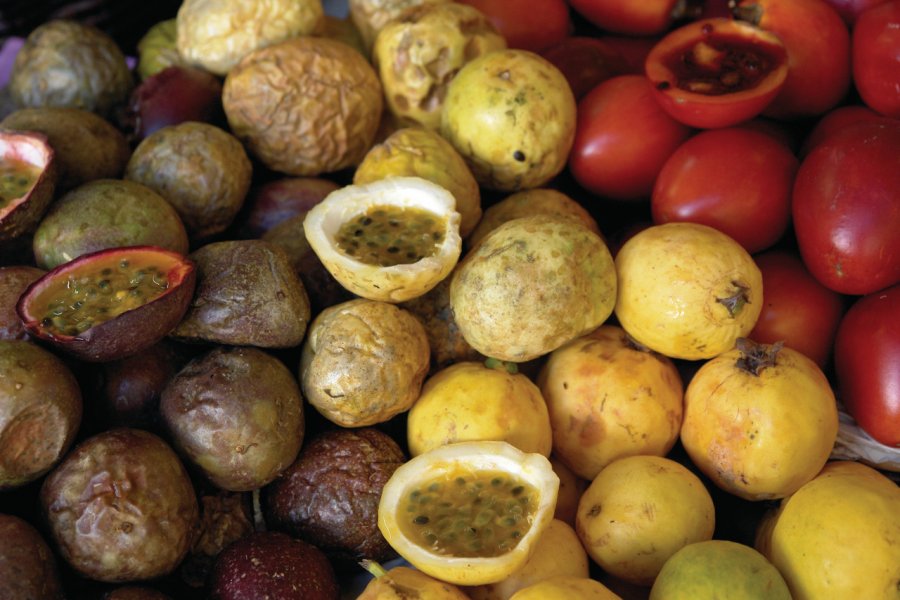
(14, 280)
(27, 567)
(27, 181)
(110, 304)
(276, 201)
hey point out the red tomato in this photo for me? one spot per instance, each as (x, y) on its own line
(716, 72)
(634, 50)
(797, 309)
(535, 27)
(867, 364)
(876, 58)
(622, 139)
(734, 179)
(851, 9)
(637, 17)
(818, 50)
(585, 62)
(834, 121)
(846, 208)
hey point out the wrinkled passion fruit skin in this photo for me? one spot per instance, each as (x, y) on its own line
(106, 214)
(247, 295)
(237, 414)
(21, 215)
(370, 16)
(272, 564)
(202, 170)
(329, 496)
(27, 566)
(306, 106)
(120, 507)
(225, 517)
(363, 362)
(131, 331)
(40, 412)
(14, 280)
(70, 64)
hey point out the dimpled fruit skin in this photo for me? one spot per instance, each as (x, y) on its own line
(531, 285)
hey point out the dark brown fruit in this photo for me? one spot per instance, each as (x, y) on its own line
(13, 282)
(121, 507)
(27, 181)
(224, 518)
(329, 496)
(27, 567)
(133, 592)
(40, 411)
(110, 304)
(247, 295)
(236, 414)
(272, 203)
(272, 565)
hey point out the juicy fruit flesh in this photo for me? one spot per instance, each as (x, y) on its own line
(464, 514)
(388, 235)
(16, 178)
(85, 300)
(720, 65)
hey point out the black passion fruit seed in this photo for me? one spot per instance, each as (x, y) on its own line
(391, 235)
(84, 301)
(16, 178)
(482, 514)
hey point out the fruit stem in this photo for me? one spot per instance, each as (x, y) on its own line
(736, 301)
(495, 363)
(372, 567)
(756, 357)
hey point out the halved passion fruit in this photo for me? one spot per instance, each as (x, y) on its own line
(390, 240)
(109, 304)
(468, 513)
(27, 181)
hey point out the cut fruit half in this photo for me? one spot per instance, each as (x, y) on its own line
(469, 513)
(28, 176)
(390, 240)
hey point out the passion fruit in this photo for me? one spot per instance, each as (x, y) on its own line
(389, 240)
(566, 588)
(400, 582)
(40, 412)
(14, 280)
(275, 201)
(370, 16)
(469, 513)
(28, 175)
(27, 567)
(157, 49)
(109, 304)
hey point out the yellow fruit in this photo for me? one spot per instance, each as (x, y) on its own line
(470, 401)
(416, 262)
(838, 536)
(566, 588)
(468, 513)
(760, 422)
(608, 399)
(638, 512)
(571, 487)
(403, 583)
(370, 16)
(558, 553)
(687, 290)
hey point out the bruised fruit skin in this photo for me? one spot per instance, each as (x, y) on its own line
(40, 412)
(247, 295)
(28, 174)
(237, 414)
(531, 285)
(27, 566)
(272, 564)
(120, 507)
(14, 280)
(329, 496)
(86, 306)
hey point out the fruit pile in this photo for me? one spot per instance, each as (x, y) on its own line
(593, 299)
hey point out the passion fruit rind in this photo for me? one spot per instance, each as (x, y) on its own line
(126, 333)
(399, 282)
(20, 212)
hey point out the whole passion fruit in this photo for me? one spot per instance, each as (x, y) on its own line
(28, 176)
(120, 507)
(275, 201)
(370, 16)
(306, 106)
(389, 240)
(40, 411)
(157, 49)
(27, 567)
(531, 285)
(109, 304)
(495, 502)
(14, 280)
(401, 582)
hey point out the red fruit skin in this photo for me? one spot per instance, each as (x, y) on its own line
(622, 139)
(733, 179)
(175, 95)
(851, 9)
(876, 58)
(638, 17)
(797, 309)
(585, 62)
(540, 25)
(834, 121)
(846, 208)
(867, 363)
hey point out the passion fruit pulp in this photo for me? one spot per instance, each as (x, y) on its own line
(109, 304)
(27, 181)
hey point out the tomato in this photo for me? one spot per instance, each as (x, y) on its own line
(634, 50)
(622, 139)
(867, 364)
(542, 24)
(834, 121)
(797, 309)
(734, 179)
(716, 72)
(631, 17)
(585, 62)
(846, 208)
(876, 58)
(851, 9)
(818, 50)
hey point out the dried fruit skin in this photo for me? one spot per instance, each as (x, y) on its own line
(370, 16)
(306, 106)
